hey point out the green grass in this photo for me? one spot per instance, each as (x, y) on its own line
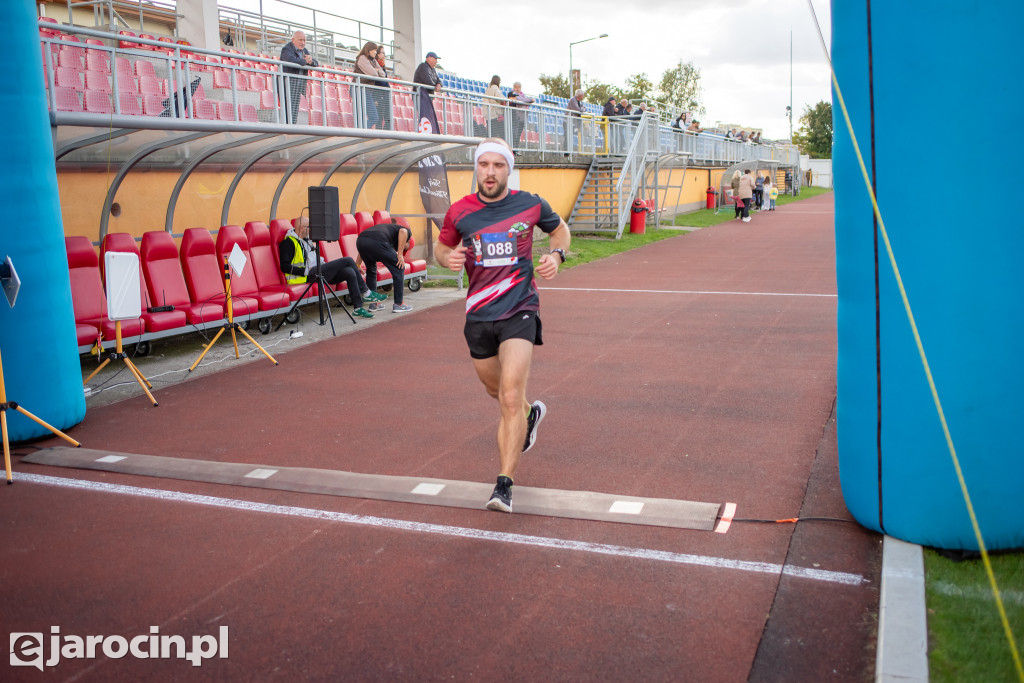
(966, 639)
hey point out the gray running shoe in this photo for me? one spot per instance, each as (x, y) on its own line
(537, 412)
(501, 499)
(401, 308)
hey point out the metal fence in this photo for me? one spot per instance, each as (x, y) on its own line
(94, 72)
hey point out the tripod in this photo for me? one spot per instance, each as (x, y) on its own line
(321, 297)
(4, 405)
(119, 354)
(230, 324)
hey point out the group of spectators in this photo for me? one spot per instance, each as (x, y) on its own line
(750, 193)
(371, 68)
(753, 138)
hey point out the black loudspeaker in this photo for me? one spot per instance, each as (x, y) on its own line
(324, 214)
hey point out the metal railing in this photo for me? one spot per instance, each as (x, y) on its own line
(257, 90)
(643, 144)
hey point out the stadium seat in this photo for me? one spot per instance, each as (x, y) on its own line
(203, 272)
(94, 80)
(247, 112)
(154, 322)
(226, 111)
(364, 220)
(144, 68)
(125, 43)
(150, 86)
(66, 77)
(129, 104)
(205, 109)
(152, 105)
(87, 297)
(166, 282)
(266, 263)
(244, 285)
(351, 226)
(69, 59)
(98, 102)
(333, 119)
(67, 99)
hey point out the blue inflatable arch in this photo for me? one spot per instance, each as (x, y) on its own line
(37, 337)
(934, 100)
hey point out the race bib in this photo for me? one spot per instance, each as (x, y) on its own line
(497, 249)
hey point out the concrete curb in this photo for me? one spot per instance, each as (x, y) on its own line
(902, 622)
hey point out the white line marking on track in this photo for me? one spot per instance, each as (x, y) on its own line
(261, 473)
(453, 531)
(111, 458)
(682, 291)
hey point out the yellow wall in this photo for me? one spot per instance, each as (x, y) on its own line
(144, 194)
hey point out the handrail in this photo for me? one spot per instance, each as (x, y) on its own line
(548, 129)
(632, 167)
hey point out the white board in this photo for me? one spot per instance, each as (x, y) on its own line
(124, 301)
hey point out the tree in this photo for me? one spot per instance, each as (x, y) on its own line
(638, 87)
(556, 86)
(680, 87)
(815, 134)
(598, 92)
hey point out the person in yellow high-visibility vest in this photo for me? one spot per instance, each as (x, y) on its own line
(298, 263)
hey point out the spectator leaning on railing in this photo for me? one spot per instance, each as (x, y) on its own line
(426, 74)
(517, 98)
(370, 71)
(295, 52)
(495, 112)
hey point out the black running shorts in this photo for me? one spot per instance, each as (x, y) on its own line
(484, 337)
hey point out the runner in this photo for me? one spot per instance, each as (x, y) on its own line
(491, 234)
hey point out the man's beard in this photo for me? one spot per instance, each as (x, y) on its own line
(499, 189)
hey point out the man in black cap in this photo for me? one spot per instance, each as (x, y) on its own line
(609, 107)
(426, 74)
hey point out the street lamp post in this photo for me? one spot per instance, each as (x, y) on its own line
(571, 89)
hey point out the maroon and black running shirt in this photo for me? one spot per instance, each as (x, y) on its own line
(499, 261)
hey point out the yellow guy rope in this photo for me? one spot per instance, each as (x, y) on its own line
(924, 362)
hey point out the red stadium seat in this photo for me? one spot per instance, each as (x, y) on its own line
(98, 102)
(149, 86)
(364, 220)
(266, 263)
(67, 99)
(152, 105)
(88, 299)
(205, 109)
(381, 217)
(203, 271)
(97, 61)
(66, 77)
(350, 229)
(226, 111)
(247, 112)
(154, 322)
(144, 69)
(244, 285)
(129, 104)
(94, 80)
(127, 43)
(166, 282)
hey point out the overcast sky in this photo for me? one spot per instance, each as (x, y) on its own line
(742, 47)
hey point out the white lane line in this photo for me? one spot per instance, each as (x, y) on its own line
(977, 593)
(681, 291)
(459, 532)
(111, 458)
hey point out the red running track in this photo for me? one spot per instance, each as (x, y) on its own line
(700, 367)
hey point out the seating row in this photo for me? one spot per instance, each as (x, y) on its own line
(189, 278)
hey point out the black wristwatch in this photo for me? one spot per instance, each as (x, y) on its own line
(560, 252)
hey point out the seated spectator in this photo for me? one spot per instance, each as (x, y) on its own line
(385, 243)
(624, 108)
(694, 127)
(298, 262)
(640, 111)
(678, 123)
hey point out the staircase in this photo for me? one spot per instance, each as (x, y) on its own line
(597, 206)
